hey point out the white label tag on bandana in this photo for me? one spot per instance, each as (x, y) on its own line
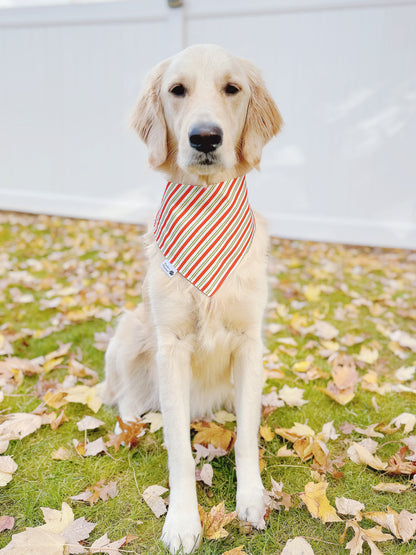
(168, 268)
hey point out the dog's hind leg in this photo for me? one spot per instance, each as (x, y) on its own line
(130, 370)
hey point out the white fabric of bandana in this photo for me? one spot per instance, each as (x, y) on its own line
(204, 232)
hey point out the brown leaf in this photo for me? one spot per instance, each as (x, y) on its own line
(100, 490)
(130, 434)
(236, 551)
(216, 519)
(214, 434)
(402, 525)
(398, 465)
(341, 396)
(77, 369)
(58, 420)
(361, 536)
(365, 457)
(104, 545)
(391, 487)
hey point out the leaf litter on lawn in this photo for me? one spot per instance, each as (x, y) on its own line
(340, 331)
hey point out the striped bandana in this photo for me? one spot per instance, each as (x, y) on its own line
(204, 232)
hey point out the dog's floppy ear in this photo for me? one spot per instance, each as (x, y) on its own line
(148, 118)
(263, 120)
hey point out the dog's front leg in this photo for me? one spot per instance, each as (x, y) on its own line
(248, 378)
(182, 525)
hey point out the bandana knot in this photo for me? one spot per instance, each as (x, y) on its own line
(204, 232)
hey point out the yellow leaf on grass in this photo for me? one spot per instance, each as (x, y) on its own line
(312, 293)
(402, 525)
(297, 431)
(317, 502)
(216, 519)
(301, 366)
(365, 457)
(367, 355)
(391, 487)
(361, 536)
(236, 551)
(266, 433)
(55, 400)
(341, 396)
(85, 395)
(51, 364)
(214, 434)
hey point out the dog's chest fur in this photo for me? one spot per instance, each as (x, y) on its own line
(211, 328)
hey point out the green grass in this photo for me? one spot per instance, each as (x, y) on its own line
(103, 263)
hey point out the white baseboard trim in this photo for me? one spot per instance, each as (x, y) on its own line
(352, 231)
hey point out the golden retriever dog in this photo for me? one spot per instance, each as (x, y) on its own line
(205, 116)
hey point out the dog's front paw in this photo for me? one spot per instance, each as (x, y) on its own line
(251, 507)
(181, 531)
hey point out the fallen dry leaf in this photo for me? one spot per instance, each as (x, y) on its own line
(90, 448)
(402, 525)
(407, 419)
(19, 425)
(205, 474)
(361, 536)
(266, 432)
(6, 523)
(347, 506)
(391, 487)
(60, 534)
(98, 491)
(7, 468)
(215, 521)
(209, 452)
(85, 395)
(277, 498)
(236, 551)
(154, 419)
(297, 546)
(292, 396)
(314, 497)
(214, 434)
(129, 436)
(153, 498)
(325, 330)
(359, 454)
(223, 416)
(89, 423)
(367, 355)
(397, 463)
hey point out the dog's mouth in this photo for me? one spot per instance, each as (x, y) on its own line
(206, 162)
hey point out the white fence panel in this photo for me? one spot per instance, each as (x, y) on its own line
(342, 72)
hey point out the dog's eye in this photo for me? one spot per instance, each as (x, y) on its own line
(178, 90)
(231, 89)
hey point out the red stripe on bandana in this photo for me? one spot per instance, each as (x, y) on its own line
(204, 232)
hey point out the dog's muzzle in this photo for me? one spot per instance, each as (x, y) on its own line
(205, 137)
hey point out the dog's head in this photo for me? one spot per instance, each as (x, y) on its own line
(205, 112)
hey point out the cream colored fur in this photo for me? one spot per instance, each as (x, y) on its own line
(180, 351)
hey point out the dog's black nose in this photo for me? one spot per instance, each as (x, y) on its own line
(205, 137)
